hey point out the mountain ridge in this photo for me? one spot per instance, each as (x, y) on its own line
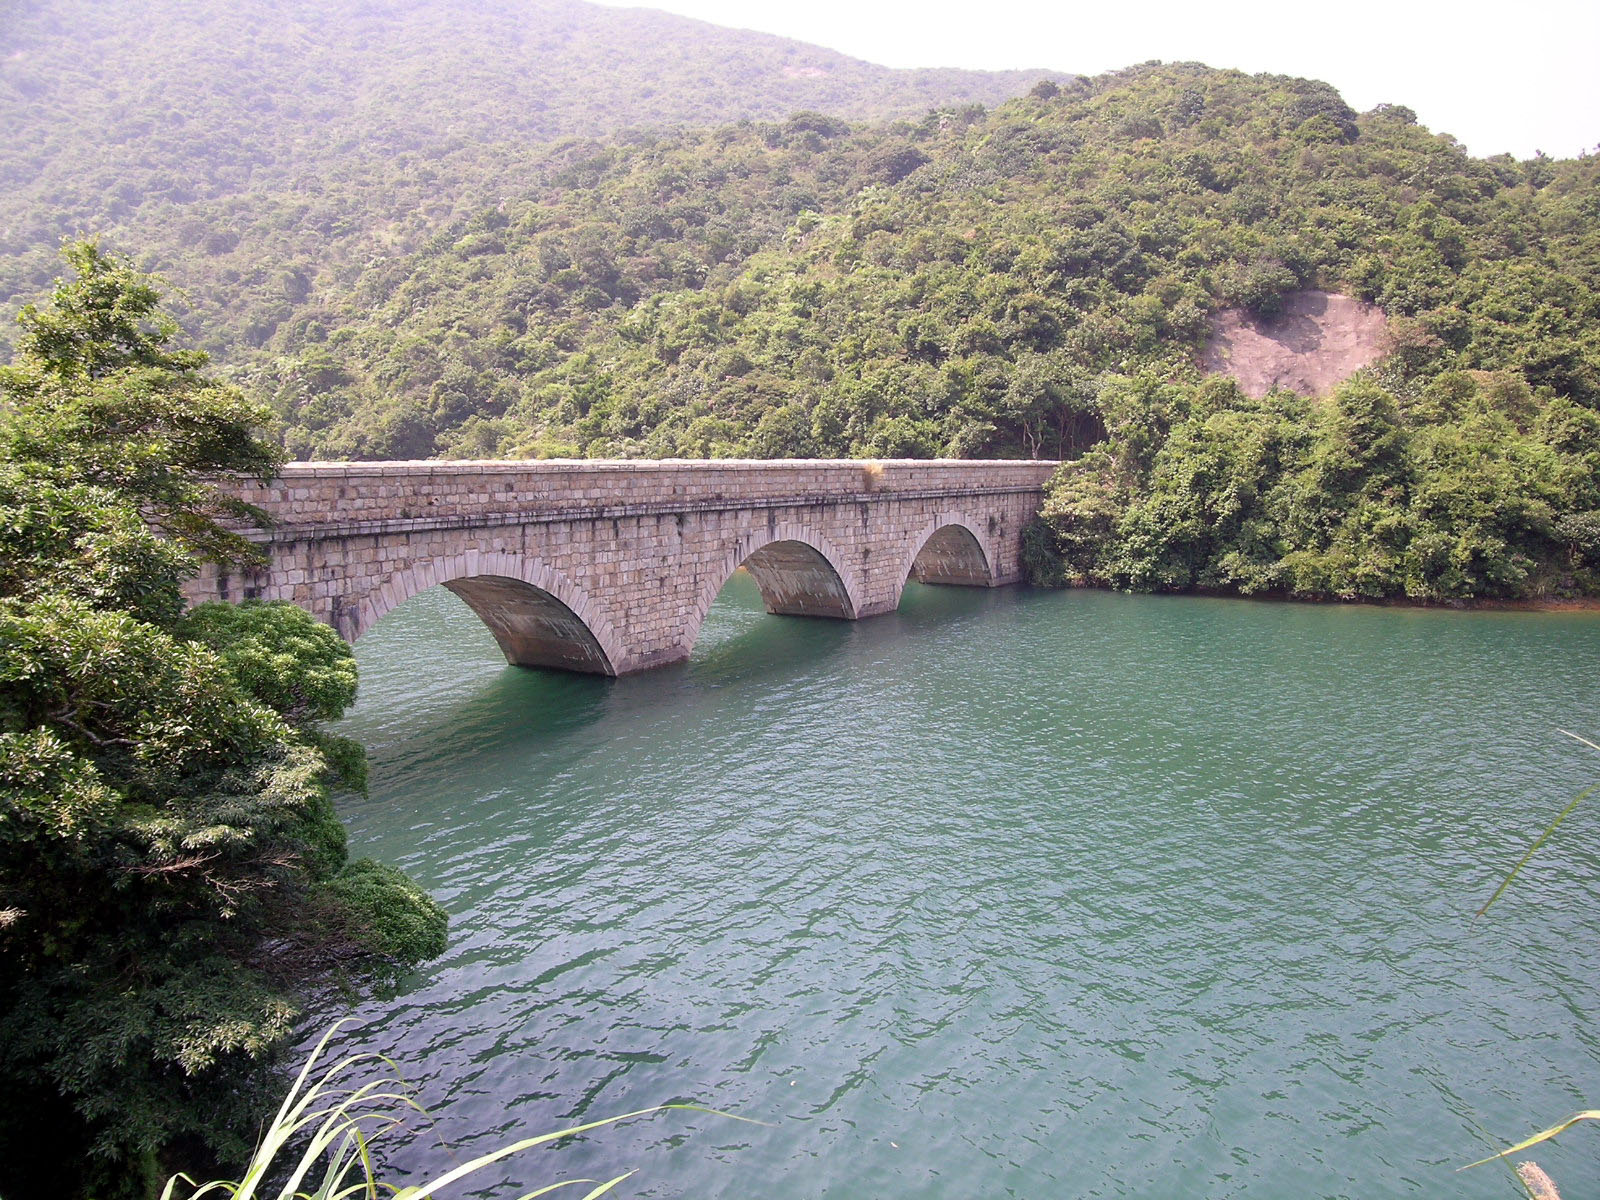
(163, 124)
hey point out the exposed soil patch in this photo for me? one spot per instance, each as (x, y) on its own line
(1319, 340)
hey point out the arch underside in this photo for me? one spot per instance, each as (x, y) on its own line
(532, 627)
(797, 580)
(541, 618)
(952, 556)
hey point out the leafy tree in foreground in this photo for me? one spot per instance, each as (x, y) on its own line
(96, 396)
(173, 878)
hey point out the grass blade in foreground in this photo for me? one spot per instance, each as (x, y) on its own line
(1544, 1135)
(1540, 840)
(1591, 1114)
(343, 1122)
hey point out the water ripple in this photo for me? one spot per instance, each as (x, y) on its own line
(1007, 894)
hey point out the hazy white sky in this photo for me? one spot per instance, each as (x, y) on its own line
(1518, 77)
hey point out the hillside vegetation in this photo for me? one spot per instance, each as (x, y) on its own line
(1035, 279)
(958, 284)
(257, 150)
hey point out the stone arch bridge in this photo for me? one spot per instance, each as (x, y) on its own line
(610, 567)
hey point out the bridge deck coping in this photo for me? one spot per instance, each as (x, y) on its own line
(433, 466)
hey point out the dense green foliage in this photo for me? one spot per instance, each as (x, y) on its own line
(966, 284)
(1036, 280)
(1466, 488)
(172, 875)
(265, 152)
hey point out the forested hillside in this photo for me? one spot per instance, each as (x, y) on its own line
(258, 151)
(1031, 280)
(1038, 278)
(961, 284)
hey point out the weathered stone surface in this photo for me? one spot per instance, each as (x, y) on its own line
(611, 567)
(952, 556)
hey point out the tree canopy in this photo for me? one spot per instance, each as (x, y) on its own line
(173, 880)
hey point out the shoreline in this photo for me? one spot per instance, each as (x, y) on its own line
(1564, 604)
(1549, 604)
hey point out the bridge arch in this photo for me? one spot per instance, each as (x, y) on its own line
(538, 616)
(799, 572)
(948, 550)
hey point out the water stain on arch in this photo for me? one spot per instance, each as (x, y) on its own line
(952, 555)
(537, 615)
(798, 571)
(797, 580)
(532, 627)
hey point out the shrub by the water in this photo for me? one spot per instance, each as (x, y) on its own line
(1360, 496)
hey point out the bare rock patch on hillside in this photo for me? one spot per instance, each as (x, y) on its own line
(1317, 342)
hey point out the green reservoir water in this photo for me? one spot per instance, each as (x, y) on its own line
(1010, 893)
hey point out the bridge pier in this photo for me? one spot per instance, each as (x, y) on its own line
(611, 567)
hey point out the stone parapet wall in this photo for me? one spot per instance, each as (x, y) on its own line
(450, 493)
